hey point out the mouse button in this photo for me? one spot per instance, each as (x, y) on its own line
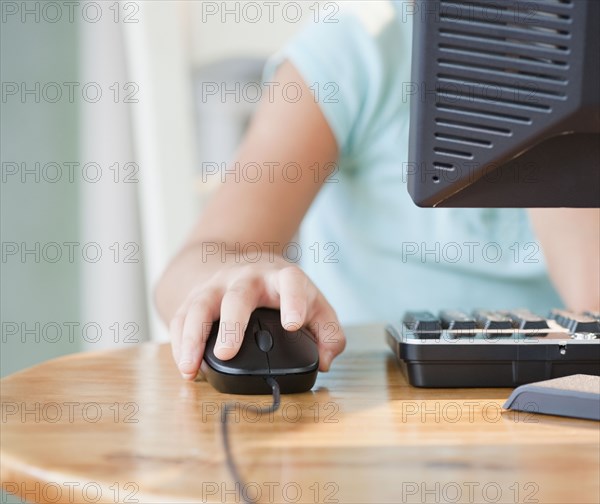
(264, 340)
(268, 319)
(294, 351)
(253, 326)
(249, 359)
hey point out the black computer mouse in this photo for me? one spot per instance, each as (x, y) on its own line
(290, 357)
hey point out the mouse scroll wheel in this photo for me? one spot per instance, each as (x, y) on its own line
(264, 340)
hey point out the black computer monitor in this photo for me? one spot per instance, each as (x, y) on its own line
(505, 103)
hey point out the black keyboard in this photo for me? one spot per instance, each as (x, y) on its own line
(494, 348)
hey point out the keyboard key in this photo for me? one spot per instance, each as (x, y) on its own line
(525, 319)
(575, 322)
(423, 323)
(456, 320)
(491, 321)
(560, 317)
(595, 315)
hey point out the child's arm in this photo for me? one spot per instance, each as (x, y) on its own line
(198, 288)
(570, 239)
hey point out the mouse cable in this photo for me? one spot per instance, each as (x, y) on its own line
(231, 465)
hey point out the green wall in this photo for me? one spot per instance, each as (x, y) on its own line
(37, 211)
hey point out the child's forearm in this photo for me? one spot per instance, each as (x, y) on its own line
(186, 270)
(570, 239)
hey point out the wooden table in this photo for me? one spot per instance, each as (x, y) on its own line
(121, 426)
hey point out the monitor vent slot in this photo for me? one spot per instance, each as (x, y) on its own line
(504, 58)
(450, 97)
(446, 167)
(453, 153)
(488, 86)
(455, 124)
(534, 47)
(516, 72)
(443, 137)
(483, 114)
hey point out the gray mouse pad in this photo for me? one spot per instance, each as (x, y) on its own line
(576, 396)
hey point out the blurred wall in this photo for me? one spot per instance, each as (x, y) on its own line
(37, 294)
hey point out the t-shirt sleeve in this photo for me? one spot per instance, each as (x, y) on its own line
(336, 60)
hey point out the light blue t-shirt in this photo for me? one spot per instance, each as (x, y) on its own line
(365, 244)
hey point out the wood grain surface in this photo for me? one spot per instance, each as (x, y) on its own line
(122, 426)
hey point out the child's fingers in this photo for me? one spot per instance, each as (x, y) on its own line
(201, 312)
(237, 305)
(293, 289)
(175, 331)
(325, 325)
(302, 304)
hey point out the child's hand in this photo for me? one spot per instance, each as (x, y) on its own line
(196, 290)
(233, 293)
